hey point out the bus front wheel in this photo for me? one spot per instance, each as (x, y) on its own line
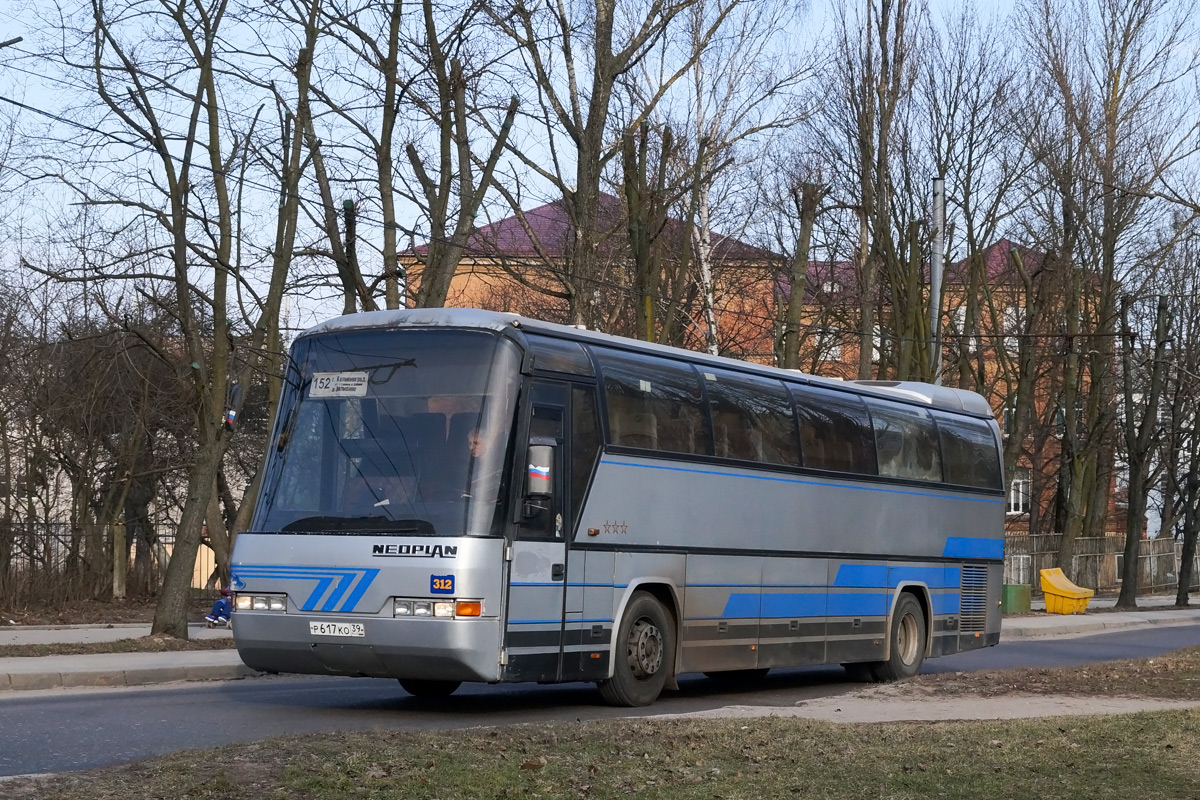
(644, 655)
(907, 642)
(428, 688)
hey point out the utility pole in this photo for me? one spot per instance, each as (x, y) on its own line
(935, 278)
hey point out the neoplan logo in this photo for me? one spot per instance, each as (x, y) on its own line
(414, 551)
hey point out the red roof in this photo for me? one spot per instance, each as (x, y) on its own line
(551, 226)
(997, 263)
(827, 279)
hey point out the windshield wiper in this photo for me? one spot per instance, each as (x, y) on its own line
(376, 524)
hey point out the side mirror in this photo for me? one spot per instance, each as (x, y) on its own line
(539, 477)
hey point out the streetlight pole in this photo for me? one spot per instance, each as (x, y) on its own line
(935, 278)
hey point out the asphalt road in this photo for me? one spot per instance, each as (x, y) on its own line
(59, 730)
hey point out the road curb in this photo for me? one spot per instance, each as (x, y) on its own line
(107, 678)
(120, 669)
(1049, 628)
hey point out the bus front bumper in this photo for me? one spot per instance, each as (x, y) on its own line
(426, 648)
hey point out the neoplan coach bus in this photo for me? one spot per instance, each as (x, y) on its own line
(459, 495)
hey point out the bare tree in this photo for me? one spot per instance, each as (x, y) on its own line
(1179, 445)
(738, 94)
(163, 107)
(1108, 74)
(1141, 435)
(572, 87)
(873, 79)
(426, 68)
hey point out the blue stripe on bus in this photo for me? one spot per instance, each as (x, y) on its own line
(819, 604)
(945, 603)
(803, 482)
(361, 589)
(360, 579)
(805, 604)
(879, 576)
(968, 547)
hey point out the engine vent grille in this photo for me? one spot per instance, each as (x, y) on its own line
(972, 612)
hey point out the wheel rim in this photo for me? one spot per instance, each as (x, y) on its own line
(906, 639)
(645, 649)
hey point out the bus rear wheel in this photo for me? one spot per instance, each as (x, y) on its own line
(644, 656)
(907, 639)
(427, 688)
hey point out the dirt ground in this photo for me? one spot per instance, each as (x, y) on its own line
(906, 702)
(93, 612)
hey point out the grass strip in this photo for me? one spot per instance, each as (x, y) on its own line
(1146, 755)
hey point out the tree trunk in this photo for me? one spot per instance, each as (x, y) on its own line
(809, 199)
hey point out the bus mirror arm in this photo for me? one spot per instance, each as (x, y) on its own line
(533, 507)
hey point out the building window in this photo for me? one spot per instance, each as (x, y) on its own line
(1019, 491)
(1014, 326)
(831, 344)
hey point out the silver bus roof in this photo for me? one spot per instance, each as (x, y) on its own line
(927, 394)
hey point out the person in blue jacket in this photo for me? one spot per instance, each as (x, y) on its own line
(221, 610)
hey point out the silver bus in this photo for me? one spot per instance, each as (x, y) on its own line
(457, 495)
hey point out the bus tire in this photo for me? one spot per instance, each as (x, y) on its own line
(907, 640)
(644, 655)
(428, 688)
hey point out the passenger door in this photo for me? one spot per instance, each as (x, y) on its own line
(538, 552)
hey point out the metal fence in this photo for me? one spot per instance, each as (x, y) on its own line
(1098, 562)
(40, 559)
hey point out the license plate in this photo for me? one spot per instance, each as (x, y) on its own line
(336, 629)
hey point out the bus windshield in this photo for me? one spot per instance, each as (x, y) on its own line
(385, 431)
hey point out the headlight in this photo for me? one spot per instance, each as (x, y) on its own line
(443, 609)
(261, 602)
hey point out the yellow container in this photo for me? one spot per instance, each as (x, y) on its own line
(1063, 596)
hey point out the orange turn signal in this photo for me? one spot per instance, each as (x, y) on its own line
(468, 608)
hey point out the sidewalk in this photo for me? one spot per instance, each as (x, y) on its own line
(1158, 610)
(113, 669)
(140, 669)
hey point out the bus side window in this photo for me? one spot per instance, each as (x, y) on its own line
(835, 431)
(969, 453)
(653, 403)
(752, 417)
(585, 444)
(906, 441)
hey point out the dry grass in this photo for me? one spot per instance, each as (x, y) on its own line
(1147, 755)
(84, 612)
(1173, 676)
(1143, 755)
(143, 644)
